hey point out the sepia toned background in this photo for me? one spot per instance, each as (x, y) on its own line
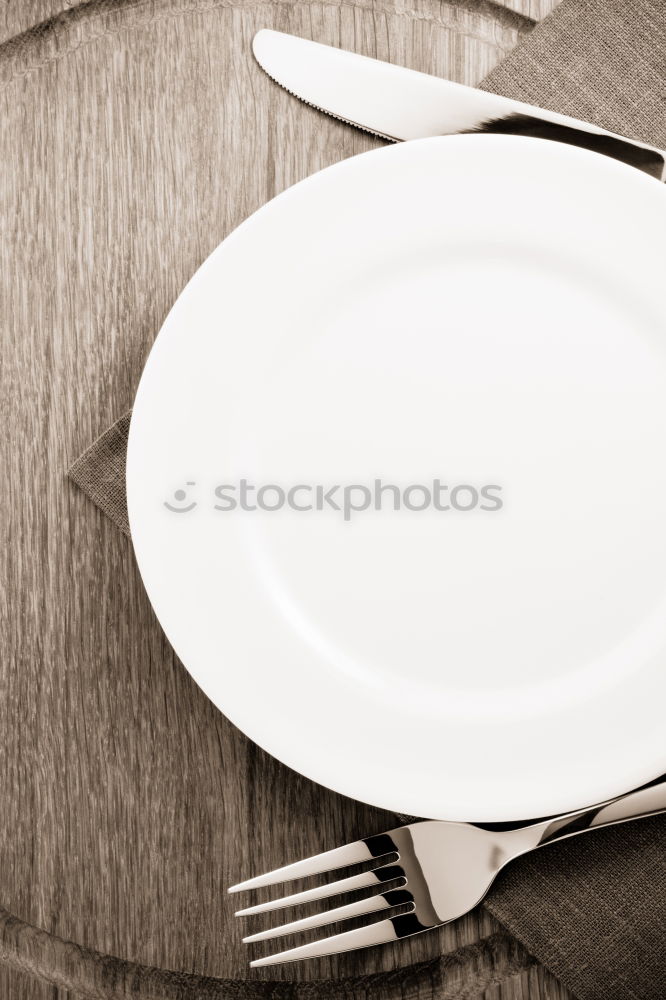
(135, 134)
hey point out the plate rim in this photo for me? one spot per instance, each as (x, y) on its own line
(507, 142)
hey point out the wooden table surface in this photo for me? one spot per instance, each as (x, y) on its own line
(135, 136)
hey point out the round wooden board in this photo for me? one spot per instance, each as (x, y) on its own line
(135, 136)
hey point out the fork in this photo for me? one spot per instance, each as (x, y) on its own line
(432, 871)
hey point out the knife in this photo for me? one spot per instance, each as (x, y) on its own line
(398, 104)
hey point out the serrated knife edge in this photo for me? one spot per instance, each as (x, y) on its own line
(316, 107)
(396, 103)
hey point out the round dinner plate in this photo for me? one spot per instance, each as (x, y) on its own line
(397, 477)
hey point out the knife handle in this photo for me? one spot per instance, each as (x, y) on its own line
(646, 158)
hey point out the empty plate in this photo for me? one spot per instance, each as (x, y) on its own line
(397, 477)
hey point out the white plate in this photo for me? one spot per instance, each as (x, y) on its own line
(481, 310)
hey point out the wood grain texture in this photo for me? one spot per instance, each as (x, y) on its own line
(134, 136)
(534, 9)
(17, 16)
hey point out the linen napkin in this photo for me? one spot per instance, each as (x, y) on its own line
(592, 909)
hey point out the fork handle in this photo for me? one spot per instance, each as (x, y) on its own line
(650, 800)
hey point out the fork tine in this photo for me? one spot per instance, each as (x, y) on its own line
(386, 873)
(371, 904)
(361, 937)
(339, 857)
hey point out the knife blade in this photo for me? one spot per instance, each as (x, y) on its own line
(399, 104)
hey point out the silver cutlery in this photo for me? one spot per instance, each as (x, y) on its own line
(430, 873)
(398, 104)
(424, 874)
